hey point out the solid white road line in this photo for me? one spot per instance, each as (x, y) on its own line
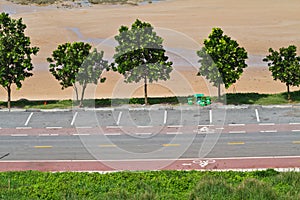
(74, 118)
(81, 134)
(210, 116)
(20, 128)
(174, 133)
(269, 131)
(112, 127)
(175, 126)
(143, 133)
(19, 135)
(84, 127)
(46, 134)
(294, 123)
(295, 130)
(257, 115)
(112, 134)
(119, 118)
(165, 117)
(53, 127)
(28, 119)
(236, 124)
(144, 126)
(237, 131)
(266, 124)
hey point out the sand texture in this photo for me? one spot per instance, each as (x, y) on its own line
(257, 25)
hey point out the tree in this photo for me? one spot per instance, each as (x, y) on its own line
(71, 63)
(91, 70)
(140, 55)
(222, 60)
(285, 66)
(15, 54)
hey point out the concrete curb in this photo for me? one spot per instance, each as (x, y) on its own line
(155, 107)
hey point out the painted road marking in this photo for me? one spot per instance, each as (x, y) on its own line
(107, 145)
(186, 164)
(119, 118)
(236, 124)
(296, 142)
(74, 118)
(28, 119)
(144, 126)
(81, 134)
(165, 117)
(266, 124)
(84, 127)
(112, 134)
(175, 126)
(210, 125)
(20, 128)
(114, 127)
(170, 145)
(42, 147)
(295, 130)
(257, 115)
(47, 134)
(143, 133)
(53, 127)
(210, 116)
(294, 123)
(19, 135)
(269, 131)
(235, 143)
(174, 133)
(237, 132)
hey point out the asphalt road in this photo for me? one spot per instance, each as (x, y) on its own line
(151, 134)
(161, 146)
(151, 117)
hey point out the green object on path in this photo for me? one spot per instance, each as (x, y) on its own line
(190, 101)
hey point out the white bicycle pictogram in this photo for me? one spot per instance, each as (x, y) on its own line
(203, 163)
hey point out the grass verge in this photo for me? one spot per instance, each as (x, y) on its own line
(193, 185)
(233, 99)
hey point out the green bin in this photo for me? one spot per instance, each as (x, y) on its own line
(208, 101)
(190, 101)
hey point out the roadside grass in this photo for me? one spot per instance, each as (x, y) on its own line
(262, 99)
(145, 185)
(231, 99)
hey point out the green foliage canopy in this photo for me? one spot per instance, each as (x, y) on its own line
(15, 53)
(285, 66)
(73, 62)
(140, 55)
(222, 60)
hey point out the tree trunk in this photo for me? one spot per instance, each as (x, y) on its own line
(288, 92)
(219, 92)
(8, 97)
(145, 91)
(76, 93)
(82, 95)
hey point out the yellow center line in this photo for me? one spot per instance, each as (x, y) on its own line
(42, 147)
(236, 143)
(171, 145)
(296, 142)
(107, 145)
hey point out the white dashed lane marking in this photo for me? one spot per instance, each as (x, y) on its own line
(74, 118)
(28, 119)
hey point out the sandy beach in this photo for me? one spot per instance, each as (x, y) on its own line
(257, 25)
